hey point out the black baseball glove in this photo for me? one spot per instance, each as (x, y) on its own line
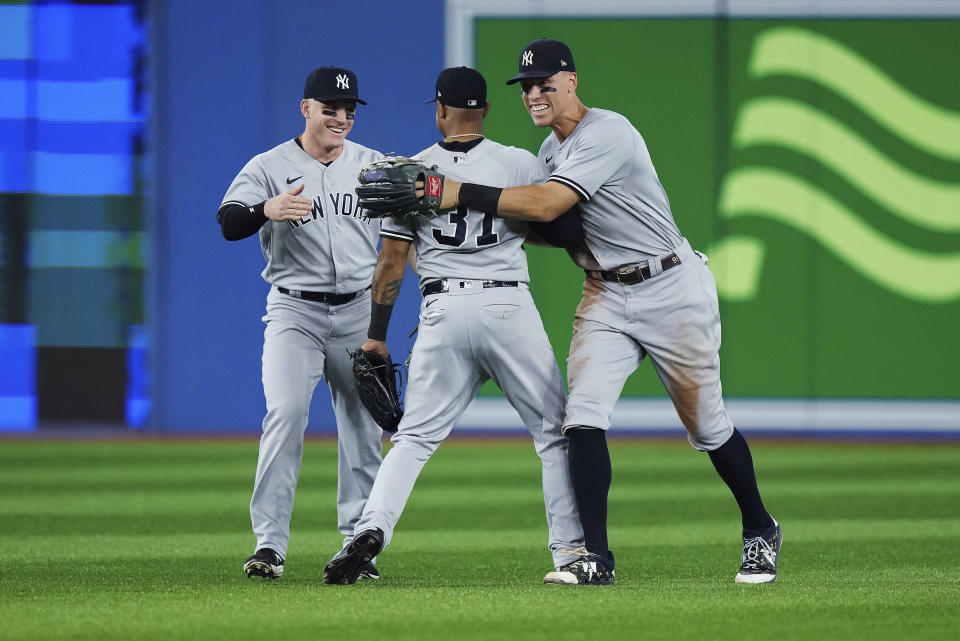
(378, 384)
(388, 188)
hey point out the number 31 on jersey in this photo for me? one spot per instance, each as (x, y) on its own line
(458, 217)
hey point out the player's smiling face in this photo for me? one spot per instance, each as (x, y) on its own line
(330, 122)
(548, 98)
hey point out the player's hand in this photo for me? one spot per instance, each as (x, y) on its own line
(288, 206)
(451, 193)
(380, 347)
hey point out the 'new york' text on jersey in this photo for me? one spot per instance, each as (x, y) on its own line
(334, 249)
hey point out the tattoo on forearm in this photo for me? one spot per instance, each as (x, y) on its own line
(386, 293)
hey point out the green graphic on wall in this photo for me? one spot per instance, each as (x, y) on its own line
(791, 200)
(817, 162)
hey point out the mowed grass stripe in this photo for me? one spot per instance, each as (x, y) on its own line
(308, 543)
(225, 519)
(454, 510)
(38, 461)
(202, 498)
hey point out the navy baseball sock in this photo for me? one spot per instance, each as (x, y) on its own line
(590, 473)
(735, 466)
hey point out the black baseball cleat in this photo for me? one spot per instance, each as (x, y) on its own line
(758, 563)
(347, 566)
(265, 562)
(369, 571)
(589, 569)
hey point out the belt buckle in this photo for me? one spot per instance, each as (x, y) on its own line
(624, 272)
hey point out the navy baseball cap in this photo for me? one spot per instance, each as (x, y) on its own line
(461, 87)
(542, 58)
(327, 84)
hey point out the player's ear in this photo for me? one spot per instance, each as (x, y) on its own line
(573, 80)
(305, 108)
(486, 109)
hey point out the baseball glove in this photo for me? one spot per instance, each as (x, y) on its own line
(388, 188)
(378, 384)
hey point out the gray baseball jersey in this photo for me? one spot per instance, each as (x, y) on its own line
(605, 160)
(468, 244)
(472, 333)
(673, 317)
(333, 250)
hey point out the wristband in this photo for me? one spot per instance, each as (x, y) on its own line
(480, 197)
(379, 319)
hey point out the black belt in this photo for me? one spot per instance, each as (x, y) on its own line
(443, 285)
(634, 273)
(322, 297)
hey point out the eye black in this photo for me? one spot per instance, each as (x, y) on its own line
(525, 87)
(333, 114)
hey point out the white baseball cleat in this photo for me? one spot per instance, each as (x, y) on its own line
(589, 569)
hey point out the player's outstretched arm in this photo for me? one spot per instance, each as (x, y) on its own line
(387, 279)
(541, 203)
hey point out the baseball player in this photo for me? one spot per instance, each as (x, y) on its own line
(646, 292)
(320, 250)
(477, 322)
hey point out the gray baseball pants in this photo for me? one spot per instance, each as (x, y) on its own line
(466, 337)
(674, 318)
(303, 342)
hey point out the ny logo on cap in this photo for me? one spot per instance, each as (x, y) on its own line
(527, 58)
(343, 81)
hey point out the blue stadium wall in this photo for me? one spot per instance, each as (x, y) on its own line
(227, 85)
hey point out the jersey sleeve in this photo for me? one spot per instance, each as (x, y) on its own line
(249, 187)
(402, 227)
(398, 228)
(528, 169)
(598, 153)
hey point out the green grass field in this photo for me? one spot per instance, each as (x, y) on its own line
(146, 539)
